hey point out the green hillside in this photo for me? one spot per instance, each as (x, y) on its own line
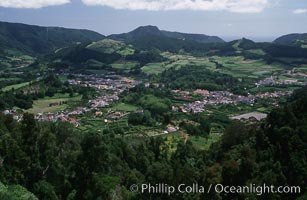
(38, 40)
(293, 39)
(111, 46)
(145, 31)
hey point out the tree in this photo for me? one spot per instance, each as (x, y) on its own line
(103, 185)
(44, 191)
(234, 134)
(15, 192)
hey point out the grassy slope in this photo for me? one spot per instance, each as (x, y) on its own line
(42, 105)
(111, 46)
(16, 86)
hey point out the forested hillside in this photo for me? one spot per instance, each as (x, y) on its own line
(146, 31)
(31, 39)
(54, 161)
(292, 39)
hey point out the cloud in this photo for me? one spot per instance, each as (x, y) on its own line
(240, 6)
(31, 3)
(300, 11)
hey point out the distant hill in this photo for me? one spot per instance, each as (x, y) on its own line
(151, 37)
(102, 54)
(195, 37)
(38, 40)
(247, 44)
(80, 54)
(145, 31)
(297, 39)
(111, 46)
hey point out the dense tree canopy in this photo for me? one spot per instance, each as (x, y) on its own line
(54, 161)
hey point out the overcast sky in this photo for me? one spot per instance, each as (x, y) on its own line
(229, 19)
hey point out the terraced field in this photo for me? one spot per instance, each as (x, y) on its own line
(237, 66)
(177, 61)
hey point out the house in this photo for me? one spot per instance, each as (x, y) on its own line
(6, 112)
(202, 92)
(172, 129)
(252, 115)
(98, 113)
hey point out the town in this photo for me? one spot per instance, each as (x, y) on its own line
(221, 97)
(109, 87)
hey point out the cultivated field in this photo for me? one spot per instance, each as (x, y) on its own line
(44, 105)
(111, 46)
(16, 86)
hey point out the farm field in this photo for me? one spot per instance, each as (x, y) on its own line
(200, 142)
(13, 59)
(10, 79)
(153, 68)
(124, 66)
(43, 105)
(228, 109)
(177, 61)
(172, 140)
(16, 86)
(99, 125)
(272, 89)
(111, 46)
(204, 143)
(257, 51)
(5, 65)
(237, 66)
(124, 107)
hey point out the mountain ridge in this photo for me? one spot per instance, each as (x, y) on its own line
(291, 39)
(150, 30)
(38, 39)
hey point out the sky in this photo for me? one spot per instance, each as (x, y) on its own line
(260, 20)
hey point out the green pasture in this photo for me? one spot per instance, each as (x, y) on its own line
(153, 68)
(172, 140)
(124, 66)
(5, 65)
(200, 142)
(97, 124)
(10, 79)
(16, 86)
(111, 46)
(204, 143)
(43, 105)
(257, 51)
(124, 107)
(272, 89)
(177, 61)
(237, 66)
